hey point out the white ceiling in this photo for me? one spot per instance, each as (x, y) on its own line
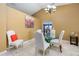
(31, 8)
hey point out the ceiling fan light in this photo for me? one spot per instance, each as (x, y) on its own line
(54, 7)
(49, 6)
(46, 9)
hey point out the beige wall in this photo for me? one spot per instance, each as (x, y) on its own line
(12, 19)
(2, 27)
(66, 17)
(16, 22)
(37, 24)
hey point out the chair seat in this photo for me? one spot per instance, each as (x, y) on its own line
(17, 42)
(55, 41)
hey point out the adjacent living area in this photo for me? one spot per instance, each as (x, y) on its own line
(39, 29)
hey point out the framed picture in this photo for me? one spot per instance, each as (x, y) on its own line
(29, 22)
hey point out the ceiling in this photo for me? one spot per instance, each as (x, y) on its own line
(31, 8)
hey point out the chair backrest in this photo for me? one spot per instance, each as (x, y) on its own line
(53, 33)
(9, 33)
(61, 35)
(39, 39)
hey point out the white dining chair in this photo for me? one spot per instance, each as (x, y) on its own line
(58, 41)
(53, 33)
(40, 43)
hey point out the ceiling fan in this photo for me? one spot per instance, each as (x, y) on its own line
(50, 8)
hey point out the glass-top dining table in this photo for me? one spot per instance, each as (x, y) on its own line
(48, 39)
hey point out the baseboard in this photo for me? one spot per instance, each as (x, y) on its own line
(26, 42)
(3, 52)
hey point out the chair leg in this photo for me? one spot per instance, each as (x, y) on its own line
(43, 53)
(15, 47)
(50, 45)
(36, 52)
(60, 48)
